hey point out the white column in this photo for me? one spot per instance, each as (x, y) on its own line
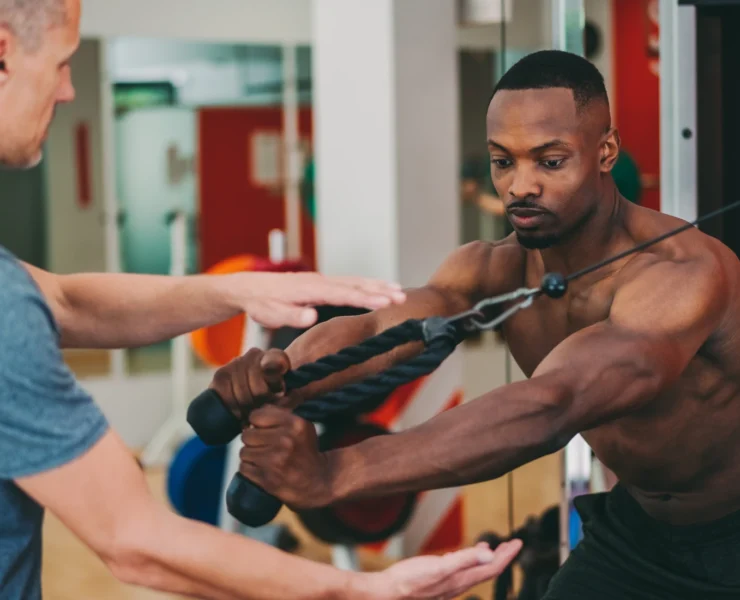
(678, 171)
(386, 136)
(386, 145)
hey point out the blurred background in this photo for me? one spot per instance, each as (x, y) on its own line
(357, 130)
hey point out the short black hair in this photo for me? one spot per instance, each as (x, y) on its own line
(556, 69)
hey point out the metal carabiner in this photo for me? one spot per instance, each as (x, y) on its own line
(469, 319)
(553, 285)
(493, 323)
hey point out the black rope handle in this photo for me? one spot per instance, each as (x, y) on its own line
(368, 394)
(216, 425)
(408, 331)
(251, 505)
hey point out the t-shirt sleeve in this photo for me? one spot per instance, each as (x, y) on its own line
(46, 418)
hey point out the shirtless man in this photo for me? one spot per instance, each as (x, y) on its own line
(640, 357)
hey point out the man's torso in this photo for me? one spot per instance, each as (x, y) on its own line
(678, 456)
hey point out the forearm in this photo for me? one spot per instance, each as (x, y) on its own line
(101, 310)
(477, 441)
(342, 332)
(181, 556)
(331, 337)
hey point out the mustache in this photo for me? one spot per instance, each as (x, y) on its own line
(527, 204)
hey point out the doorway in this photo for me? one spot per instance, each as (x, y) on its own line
(718, 121)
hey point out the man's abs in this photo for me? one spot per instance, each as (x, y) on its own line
(680, 456)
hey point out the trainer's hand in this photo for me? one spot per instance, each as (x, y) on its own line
(285, 299)
(439, 577)
(252, 380)
(281, 455)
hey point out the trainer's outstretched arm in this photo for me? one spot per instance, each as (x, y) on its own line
(103, 498)
(656, 326)
(120, 310)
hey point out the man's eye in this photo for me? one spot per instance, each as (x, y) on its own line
(553, 163)
(501, 163)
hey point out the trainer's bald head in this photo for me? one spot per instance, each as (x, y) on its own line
(31, 19)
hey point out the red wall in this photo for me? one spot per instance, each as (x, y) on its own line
(236, 212)
(637, 89)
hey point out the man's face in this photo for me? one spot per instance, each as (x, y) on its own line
(545, 161)
(31, 86)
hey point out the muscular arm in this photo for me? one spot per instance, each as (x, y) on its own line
(102, 498)
(657, 324)
(461, 281)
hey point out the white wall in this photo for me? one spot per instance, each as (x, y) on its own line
(76, 237)
(269, 21)
(276, 22)
(136, 407)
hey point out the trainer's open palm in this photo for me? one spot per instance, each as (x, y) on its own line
(445, 577)
(285, 299)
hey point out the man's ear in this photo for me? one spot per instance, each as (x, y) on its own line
(609, 150)
(5, 45)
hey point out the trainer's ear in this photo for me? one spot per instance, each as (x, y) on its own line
(609, 150)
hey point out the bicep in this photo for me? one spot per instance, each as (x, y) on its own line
(656, 326)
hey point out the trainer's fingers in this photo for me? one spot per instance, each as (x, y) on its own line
(336, 293)
(454, 562)
(467, 577)
(275, 313)
(393, 291)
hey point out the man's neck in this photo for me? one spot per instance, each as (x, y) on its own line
(594, 240)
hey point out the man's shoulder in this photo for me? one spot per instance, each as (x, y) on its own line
(689, 250)
(689, 279)
(484, 268)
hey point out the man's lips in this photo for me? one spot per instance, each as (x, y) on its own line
(526, 217)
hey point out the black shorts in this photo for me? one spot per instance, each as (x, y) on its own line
(627, 555)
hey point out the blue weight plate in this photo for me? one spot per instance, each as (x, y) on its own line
(195, 480)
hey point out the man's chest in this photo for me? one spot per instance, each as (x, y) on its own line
(534, 332)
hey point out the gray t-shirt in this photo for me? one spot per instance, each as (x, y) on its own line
(46, 420)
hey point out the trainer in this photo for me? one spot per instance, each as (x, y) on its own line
(57, 451)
